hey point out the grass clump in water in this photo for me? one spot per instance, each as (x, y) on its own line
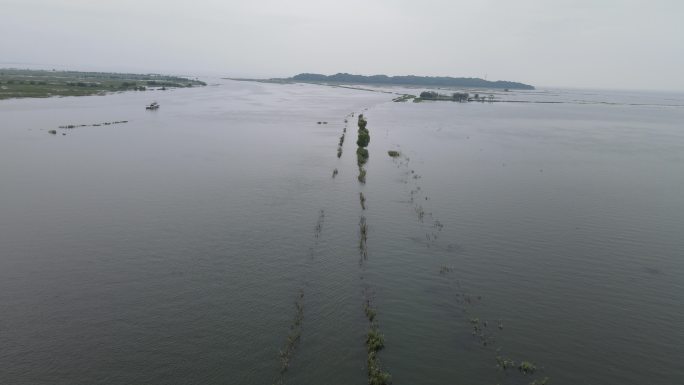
(375, 340)
(293, 337)
(370, 312)
(335, 172)
(362, 199)
(363, 232)
(362, 175)
(504, 363)
(376, 375)
(526, 367)
(393, 154)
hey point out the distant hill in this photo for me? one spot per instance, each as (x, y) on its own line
(437, 81)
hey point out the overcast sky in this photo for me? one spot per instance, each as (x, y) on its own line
(620, 44)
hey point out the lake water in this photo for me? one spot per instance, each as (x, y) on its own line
(172, 249)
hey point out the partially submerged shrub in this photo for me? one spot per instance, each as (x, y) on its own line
(362, 121)
(364, 139)
(361, 156)
(362, 175)
(377, 376)
(375, 340)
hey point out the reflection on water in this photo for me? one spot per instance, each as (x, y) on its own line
(172, 249)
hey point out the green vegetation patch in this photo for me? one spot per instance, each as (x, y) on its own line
(526, 367)
(362, 175)
(361, 156)
(375, 340)
(293, 338)
(362, 122)
(363, 139)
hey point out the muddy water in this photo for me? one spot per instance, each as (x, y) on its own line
(174, 248)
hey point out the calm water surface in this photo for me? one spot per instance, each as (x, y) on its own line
(171, 249)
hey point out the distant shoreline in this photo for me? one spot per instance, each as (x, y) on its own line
(410, 80)
(26, 83)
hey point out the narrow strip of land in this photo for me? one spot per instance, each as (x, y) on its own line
(23, 83)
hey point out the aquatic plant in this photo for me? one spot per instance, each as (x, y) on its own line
(363, 139)
(376, 375)
(420, 212)
(339, 151)
(504, 363)
(361, 156)
(526, 367)
(393, 154)
(363, 238)
(363, 231)
(362, 175)
(293, 337)
(319, 223)
(370, 312)
(53, 132)
(362, 199)
(362, 122)
(375, 340)
(335, 172)
(374, 343)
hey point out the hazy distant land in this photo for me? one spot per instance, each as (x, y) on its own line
(409, 80)
(22, 83)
